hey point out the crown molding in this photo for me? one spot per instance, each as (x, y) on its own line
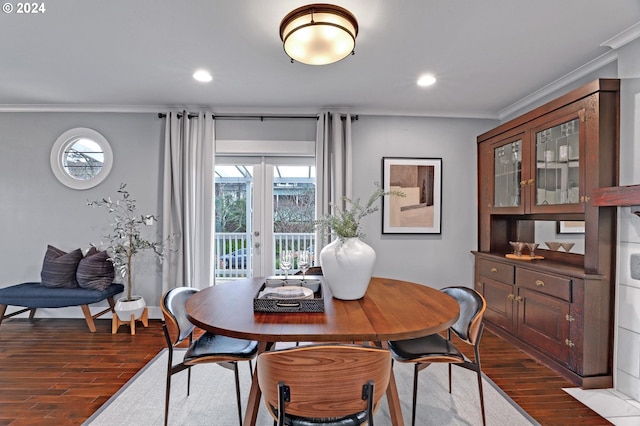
(626, 36)
(558, 84)
(139, 109)
(615, 42)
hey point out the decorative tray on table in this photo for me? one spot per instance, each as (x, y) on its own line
(292, 295)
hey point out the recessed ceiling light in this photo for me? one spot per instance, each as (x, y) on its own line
(203, 76)
(426, 80)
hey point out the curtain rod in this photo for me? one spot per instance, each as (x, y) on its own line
(247, 117)
(256, 117)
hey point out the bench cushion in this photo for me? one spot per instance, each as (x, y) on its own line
(35, 295)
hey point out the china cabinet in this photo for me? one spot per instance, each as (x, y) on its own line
(545, 166)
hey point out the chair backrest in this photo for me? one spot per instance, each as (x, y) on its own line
(325, 381)
(472, 307)
(175, 313)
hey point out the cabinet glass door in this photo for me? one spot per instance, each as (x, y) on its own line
(507, 163)
(558, 165)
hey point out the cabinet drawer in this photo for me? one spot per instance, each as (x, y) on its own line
(496, 271)
(553, 285)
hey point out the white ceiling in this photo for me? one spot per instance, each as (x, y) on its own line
(140, 54)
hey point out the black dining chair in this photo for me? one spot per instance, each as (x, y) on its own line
(436, 348)
(325, 384)
(208, 348)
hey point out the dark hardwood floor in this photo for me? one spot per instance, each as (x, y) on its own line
(55, 372)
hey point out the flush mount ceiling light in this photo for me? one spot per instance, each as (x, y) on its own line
(319, 34)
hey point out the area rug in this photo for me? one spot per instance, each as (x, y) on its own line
(212, 400)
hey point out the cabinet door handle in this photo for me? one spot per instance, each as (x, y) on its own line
(530, 182)
(494, 269)
(569, 343)
(540, 283)
(523, 182)
(511, 297)
(569, 318)
(518, 298)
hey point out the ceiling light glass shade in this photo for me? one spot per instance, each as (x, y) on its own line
(319, 34)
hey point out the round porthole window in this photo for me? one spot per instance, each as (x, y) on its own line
(81, 158)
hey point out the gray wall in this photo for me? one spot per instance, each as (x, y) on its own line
(38, 210)
(435, 260)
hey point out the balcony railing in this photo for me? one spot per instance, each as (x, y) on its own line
(233, 252)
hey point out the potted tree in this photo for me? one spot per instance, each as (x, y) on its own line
(347, 262)
(124, 243)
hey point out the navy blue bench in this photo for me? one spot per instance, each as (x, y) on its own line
(35, 295)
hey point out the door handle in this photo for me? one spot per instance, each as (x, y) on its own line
(256, 245)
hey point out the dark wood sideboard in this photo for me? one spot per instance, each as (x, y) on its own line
(545, 166)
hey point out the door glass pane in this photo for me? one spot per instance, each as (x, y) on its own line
(248, 240)
(294, 194)
(507, 160)
(557, 164)
(233, 189)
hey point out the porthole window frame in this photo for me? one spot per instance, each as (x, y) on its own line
(67, 139)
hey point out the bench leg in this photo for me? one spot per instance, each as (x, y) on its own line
(87, 316)
(3, 309)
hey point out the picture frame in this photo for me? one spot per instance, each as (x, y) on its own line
(420, 210)
(570, 227)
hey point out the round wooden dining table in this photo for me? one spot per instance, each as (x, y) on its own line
(390, 310)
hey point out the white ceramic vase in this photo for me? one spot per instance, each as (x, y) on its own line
(124, 308)
(347, 266)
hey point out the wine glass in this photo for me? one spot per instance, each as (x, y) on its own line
(304, 262)
(286, 262)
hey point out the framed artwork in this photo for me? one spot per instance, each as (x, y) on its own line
(570, 227)
(420, 210)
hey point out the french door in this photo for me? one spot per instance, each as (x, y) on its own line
(263, 204)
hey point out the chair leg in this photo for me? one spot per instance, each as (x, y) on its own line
(449, 365)
(479, 372)
(238, 399)
(415, 393)
(188, 381)
(167, 394)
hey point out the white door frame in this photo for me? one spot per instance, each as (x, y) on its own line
(263, 155)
